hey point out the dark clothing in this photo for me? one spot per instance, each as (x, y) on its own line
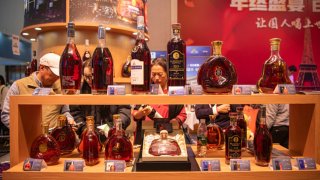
(280, 134)
(222, 119)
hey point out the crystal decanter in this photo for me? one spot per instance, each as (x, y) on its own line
(119, 147)
(214, 134)
(164, 145)
(45, 147)
(90, 144)
(262, 141)
(274, 70)
(233, 139)
(64, 135)
(217, 74)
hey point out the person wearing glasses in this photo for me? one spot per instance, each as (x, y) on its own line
(173, 113)
(46, 77)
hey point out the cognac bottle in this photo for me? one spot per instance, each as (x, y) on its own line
(262, 141)
(215, 134)
(140, 63)
(243, 126)
(33, 64)
(119, 147)
(90, 144)
(70, 65)
(274, 70)
(164, 145)
(45, 147)
(86, 54)
(233, 139)
(112, 131)
(176, 49)
(102, 65)
(202, 139)
(64, 135)
(217, 74)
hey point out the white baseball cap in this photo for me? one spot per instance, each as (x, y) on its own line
(52, 61)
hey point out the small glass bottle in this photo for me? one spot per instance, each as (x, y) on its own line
(164, 146)
(241, 122)
(176, 49)
(233, 139)
(102, 65)
(70, 65)
(34, 62)
(202, 139)
(262, 141)
(140, 62)
(84, 132)
(215, 134)
(217, 74)
(119, 147)
(86, 54)
(64, 135)
(274, 70)
(90, 144)
(45, 147)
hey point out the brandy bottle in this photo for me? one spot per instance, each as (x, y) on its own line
(176, 49)
(233, 139)
(45, 147)
(119, 147)
(64, 135)
(112, 131)
(34, 63)
(164, 145)
(274, 70)
(262, 141)
(86, 54)
(217, 74)
(90, 144)
(243, 126)
(102, 65)
(140, 61)
(202, 139)
(70, 65)
(215, 134)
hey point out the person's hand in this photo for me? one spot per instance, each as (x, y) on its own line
(73, 124)
(223, 108)
(146, 110)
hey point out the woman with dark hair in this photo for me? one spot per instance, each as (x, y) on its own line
(171, 112)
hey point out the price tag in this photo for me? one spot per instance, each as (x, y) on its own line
(73, 165)
(244, 89)
(41, 91)
(31, 164)
(176, 91)
(285, 89)
(116, 90)
(281, 164)
(306, 163)
(193, 90)
(239, 165)
(210, 165)
(115, 165)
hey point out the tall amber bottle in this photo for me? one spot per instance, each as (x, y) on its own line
(274, 70)
(217, 74)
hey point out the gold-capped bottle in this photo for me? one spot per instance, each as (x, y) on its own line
(274, 70)
(90, 144)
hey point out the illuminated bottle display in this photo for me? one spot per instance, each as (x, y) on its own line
(274, 70)
(102, 65)
(70, 65)
(262, 141)
(140, 61)
(45, 147)
(176, 49)
(86, 54)
(233, 139)
(217, 74)
(90, 144)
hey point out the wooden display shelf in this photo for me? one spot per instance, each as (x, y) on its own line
(304, 137)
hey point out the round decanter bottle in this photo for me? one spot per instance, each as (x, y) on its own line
(217, 74)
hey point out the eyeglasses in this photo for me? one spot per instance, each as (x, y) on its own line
(160, 74)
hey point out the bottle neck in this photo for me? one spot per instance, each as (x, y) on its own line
(275, 50)
(233, 122)
(216, 50)
(176, 34)
(102, 43)
(70, 40)
(140, 34)
(118, 127)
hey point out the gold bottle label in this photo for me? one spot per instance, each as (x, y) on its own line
(43, 148)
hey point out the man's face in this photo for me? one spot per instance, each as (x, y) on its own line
(47, 76)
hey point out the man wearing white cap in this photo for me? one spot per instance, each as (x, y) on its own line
(46, 77)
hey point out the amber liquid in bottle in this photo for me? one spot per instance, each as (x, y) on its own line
(86, 54)
(90, 144)
(64, 135)
(217, 74)
(274, 70)
(243, 126)
(81, 144)
(119, 147)
(34, 63)
(70, 65)
(233, 139)
(140, 62)
(176, 49)
(102, 65)
(45, 147)
(164, 146)
(215, 135)
(262, 141)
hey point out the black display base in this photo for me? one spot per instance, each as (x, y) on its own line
(162, 165)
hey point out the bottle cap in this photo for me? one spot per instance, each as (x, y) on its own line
(116, 116)
(101, 32)
(275, 41)
(216, 43)
(90, 119)
(86, 42)
(70, 29)
(140, 22)
(176, 26)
